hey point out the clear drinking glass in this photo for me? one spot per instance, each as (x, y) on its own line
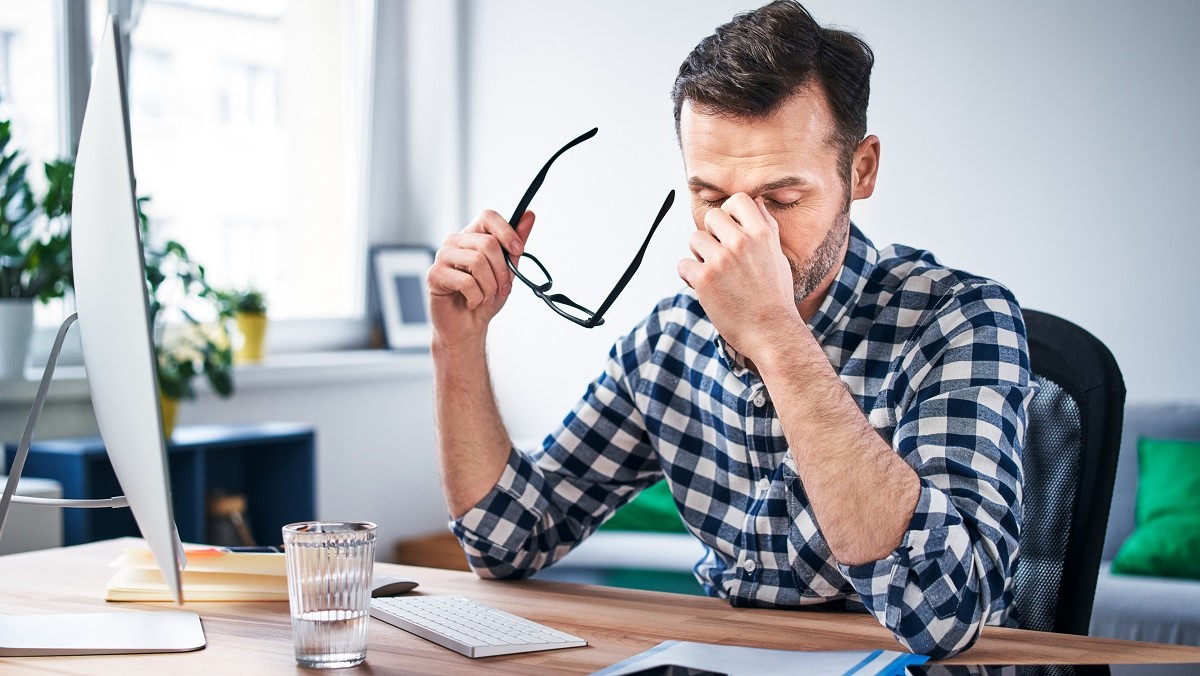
(329, 566)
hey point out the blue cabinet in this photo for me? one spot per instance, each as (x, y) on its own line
(272, 464)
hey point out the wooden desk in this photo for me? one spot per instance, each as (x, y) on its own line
(256, 638)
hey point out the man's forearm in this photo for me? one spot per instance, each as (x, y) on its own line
(863, 494)
(473, 445)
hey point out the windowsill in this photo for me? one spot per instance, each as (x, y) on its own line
(296, 369)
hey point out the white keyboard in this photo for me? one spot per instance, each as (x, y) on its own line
(469, 628)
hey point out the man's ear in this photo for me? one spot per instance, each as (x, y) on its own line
(864, 168)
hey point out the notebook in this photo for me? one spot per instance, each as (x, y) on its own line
(212, 574)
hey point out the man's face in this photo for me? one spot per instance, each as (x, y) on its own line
(789, 160)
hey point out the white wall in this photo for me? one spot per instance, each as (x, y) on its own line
(1047, 145)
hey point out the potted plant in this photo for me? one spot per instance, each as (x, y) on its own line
(249, 309)
(188, 317)
(35, 249)
(188, 351)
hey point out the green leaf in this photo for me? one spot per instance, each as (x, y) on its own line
(60, 179)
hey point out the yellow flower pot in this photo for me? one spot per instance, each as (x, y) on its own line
(170, 409)
(253, 327)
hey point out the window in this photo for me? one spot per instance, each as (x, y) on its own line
(250, 96)
(246, 121)
(7, 37)
(27, 85)
(248, 135)
(29, 97)
(153, 83)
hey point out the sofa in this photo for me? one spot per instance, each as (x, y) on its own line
(1126, 606)
(1135, 607)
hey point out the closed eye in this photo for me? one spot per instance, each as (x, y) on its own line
(781, 206)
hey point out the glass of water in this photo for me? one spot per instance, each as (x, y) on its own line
(329, 566)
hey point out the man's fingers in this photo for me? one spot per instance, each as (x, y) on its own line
(704, 247)
(766, 213)
(524, 227)
(489, 246)
(493, 224)
(745, 211)
(445, 280)
(477, 264)
(688, 270)
(472, 262)
(722, 226)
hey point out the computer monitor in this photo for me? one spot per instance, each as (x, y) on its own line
(112, 303)
(118, 352)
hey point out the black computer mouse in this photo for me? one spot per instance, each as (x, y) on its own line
(391, 585)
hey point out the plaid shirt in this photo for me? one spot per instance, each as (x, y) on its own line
(936, 359)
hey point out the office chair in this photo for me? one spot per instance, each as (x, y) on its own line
(1069, 461)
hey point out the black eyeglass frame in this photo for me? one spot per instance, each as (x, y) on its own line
(595, 318)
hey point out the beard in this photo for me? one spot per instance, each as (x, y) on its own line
(807, 275)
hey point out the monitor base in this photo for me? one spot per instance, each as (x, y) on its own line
(131, 631)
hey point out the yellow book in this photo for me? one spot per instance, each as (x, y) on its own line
(211, 575)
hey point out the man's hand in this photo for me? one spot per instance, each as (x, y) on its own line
(741, 276)
(469, 281)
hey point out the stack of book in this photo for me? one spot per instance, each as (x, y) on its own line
(212, 574)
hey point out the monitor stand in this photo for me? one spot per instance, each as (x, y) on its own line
(130, 631)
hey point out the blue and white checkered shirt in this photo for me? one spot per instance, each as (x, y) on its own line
(936, 359)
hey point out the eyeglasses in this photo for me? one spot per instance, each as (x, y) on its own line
(541, 286)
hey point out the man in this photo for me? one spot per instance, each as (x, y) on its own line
(838, 424)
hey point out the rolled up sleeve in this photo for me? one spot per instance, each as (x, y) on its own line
(548, 500)
(962, 432)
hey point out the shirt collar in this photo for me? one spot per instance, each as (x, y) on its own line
(860, 261)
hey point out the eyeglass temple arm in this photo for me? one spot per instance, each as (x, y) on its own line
(633, 265)
(537, 180)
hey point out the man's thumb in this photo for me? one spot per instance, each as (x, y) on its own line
(525, 225)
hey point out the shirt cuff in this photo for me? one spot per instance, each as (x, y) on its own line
(917, 591)
(501, 523)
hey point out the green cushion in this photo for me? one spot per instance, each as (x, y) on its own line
(1166, 540)
(652, 510)
(1168, 478)
(1165, 547)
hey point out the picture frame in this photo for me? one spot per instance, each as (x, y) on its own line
(400, 295)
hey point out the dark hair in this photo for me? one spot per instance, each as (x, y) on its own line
(753, 64)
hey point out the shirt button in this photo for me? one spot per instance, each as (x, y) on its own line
(749, 565)
(760, 400)
(764, 485)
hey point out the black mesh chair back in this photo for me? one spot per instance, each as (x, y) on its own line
(1069, 461)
